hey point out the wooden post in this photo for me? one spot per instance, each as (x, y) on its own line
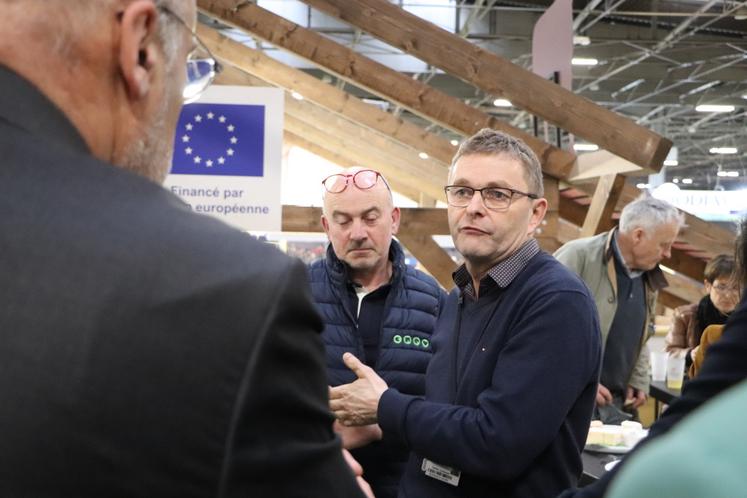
(599, 216)
(431, 256)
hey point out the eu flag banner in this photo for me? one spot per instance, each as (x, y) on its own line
(227, 156)
(220, 139)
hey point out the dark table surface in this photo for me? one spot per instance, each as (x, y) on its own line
(659, 391)
(594, 463)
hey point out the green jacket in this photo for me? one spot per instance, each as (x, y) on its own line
(593, 259)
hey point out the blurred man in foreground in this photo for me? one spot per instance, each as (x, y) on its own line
(146, 351)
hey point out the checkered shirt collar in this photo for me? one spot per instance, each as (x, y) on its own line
(502, 273)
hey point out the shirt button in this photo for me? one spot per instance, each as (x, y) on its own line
(611, 300)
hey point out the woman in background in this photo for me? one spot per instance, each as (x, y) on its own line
(691, 320)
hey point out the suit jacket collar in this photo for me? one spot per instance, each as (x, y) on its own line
(23, 106)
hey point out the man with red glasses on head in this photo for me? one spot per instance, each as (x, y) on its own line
(145, 351)
(511, 385)
(373, 305)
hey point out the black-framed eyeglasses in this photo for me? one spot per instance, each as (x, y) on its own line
(363, 179)
(495, 198)
(202, 66)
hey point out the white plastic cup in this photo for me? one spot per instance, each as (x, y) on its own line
(675, 371)
(659, 366)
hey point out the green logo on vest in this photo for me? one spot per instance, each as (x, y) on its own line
(411, 341)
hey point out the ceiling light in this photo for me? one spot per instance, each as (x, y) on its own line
(687, 181)
(643, 186)
(629, 86)
(423, 155)
(581, 40)
(671, 162)
(714, 108)
(585, 147)
(296, 95)
(729, 174)
(667, 270)
(454, 142)
(502, 103)
(584, 61)
(704, 87)
(723, 150)
(676, 180)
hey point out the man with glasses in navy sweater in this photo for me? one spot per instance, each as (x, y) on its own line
(511, 385)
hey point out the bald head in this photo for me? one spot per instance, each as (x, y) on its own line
(360, 219)
(114, 68)
(348, 184)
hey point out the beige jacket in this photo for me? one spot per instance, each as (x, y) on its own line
(593, 259)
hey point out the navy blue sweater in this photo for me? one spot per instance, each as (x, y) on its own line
(516, 423)
(409, 319)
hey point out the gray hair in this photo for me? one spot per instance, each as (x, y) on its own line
(168, 31)
(648, 213)
(493, 142)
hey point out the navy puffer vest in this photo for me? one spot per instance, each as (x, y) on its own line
(410, 314)
(412, 307)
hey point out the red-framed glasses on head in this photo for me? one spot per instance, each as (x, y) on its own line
(363, 179)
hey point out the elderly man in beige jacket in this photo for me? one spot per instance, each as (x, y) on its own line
(621, 267)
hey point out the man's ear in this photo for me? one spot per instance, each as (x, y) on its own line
(539, 208)
(137, 47)
(395, 220)
(637, 235)
(325, 224)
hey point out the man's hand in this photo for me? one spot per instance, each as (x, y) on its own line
(355, 437)
(604, 396)
(635, 397)
(358, 471)
(356, 403)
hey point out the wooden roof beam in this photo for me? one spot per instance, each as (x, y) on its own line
(498, 76)
(417, 226)
(325, 95)
(416, 96)
(357, 144)
(427, 173)
(599, 216)
(431, 221)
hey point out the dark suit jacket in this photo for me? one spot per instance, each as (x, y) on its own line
(724, 367)
(146, 351)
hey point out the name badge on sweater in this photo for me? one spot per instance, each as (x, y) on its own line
(443, 473)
